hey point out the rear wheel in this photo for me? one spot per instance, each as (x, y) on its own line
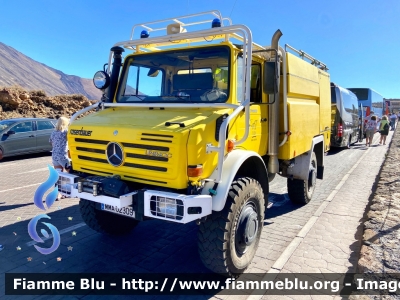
(301, 191)
(228, 239)
(105, 222)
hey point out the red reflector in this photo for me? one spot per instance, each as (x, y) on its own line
(340, 130)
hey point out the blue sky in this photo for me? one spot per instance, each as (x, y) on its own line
(359, 40)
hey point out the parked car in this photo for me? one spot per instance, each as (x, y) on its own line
(25, 135)
(345, 129)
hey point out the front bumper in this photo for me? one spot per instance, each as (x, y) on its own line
(155, 204)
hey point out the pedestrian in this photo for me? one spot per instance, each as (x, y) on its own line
(393, 119)
(384, 130)
(58, 140)
(370, 130)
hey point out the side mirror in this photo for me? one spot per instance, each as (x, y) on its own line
(269, 77)
(153, 72)
(101, 80)
(10, 132)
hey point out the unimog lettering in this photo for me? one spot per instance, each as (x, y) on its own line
(158, 154)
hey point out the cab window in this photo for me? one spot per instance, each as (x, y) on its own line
(255, 82)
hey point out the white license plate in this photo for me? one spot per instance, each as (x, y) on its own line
(125, 211)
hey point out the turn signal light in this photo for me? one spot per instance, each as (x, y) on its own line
(230, 146)
(69, 154)
(195, 171)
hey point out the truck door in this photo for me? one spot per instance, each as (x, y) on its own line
(257, 139)
(258, 112)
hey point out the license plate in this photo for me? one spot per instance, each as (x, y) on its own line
(125, 211)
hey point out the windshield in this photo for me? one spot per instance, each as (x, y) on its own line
(184, 76)
(5, 124)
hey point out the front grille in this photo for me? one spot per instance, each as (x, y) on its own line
(91, 141)
(90, 150)
(148, 157)
(153, 168)
(140, 156)
(93, 159)
(153, 140)
(147, 147)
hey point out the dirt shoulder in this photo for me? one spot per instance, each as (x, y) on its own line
(380, 252)
(15, 102)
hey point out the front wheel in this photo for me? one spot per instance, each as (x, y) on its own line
(228, 239)
(105, 222)
(301, 191)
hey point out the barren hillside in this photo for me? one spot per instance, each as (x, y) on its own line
(18, 69)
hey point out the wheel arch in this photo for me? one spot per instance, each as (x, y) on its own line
(238, 163)
(300, 168)
(319, 153)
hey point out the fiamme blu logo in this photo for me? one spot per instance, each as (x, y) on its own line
(38, 201)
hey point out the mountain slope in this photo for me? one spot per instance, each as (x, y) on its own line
(18, 69)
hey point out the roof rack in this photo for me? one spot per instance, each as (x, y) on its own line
(304, 55)
(180, 20)
(206, 34)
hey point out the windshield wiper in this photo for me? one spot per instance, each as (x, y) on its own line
(141, 97)
(180, 96)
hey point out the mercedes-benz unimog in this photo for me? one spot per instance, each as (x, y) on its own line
(194, 123)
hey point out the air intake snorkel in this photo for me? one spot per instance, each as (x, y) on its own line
(116, 67)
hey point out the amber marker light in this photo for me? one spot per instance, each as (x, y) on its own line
(69, 154)
(230, 146)
(195, 171)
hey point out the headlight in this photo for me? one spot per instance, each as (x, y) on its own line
(101, 80)
(166, 207)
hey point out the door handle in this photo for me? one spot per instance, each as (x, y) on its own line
(32, 135)
(264, 120)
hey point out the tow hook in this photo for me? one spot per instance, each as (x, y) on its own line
(201, 220)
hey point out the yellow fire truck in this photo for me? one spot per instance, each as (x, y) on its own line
(193, 124)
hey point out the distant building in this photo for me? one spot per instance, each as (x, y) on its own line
(394, 104)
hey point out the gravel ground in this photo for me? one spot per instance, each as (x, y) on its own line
(380, 253)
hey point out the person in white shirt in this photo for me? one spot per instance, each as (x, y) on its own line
(370, 130)
(393, 119)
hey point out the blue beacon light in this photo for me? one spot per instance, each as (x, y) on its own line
(216, 23)
(144, 34)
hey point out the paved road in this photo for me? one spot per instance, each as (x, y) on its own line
(154, 246)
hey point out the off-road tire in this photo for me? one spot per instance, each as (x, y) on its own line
(105, 222)
(298, 190)
(216, 236)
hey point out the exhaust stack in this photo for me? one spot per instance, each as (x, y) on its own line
(273, 137)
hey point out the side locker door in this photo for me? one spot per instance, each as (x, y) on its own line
(44, 128)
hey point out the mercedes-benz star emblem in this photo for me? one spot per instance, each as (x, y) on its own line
(115, 154)
(115, 132)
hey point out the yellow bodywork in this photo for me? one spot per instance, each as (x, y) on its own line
(308, 100)
(156, 154)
